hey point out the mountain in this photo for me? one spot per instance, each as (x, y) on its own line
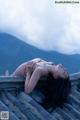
(14, 51)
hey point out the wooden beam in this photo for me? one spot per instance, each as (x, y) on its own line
(11, 83)
(17, 83)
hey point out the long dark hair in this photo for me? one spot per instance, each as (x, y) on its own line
(56, 91)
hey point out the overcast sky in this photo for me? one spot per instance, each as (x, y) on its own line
(43, 24)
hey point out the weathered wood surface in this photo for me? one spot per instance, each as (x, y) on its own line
(3, 107)
(24, 107)
(12, 83)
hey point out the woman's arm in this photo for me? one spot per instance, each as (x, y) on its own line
(32, 80)
(28, 76)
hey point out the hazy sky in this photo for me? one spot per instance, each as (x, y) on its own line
(43, 24)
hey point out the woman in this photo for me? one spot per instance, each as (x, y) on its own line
(57, 86)
(41, 69)
(31, 70)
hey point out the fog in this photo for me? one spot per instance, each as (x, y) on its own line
(43, 24)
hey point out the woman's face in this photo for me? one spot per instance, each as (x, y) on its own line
(60, 71)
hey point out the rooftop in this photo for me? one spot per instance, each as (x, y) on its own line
(24, 107)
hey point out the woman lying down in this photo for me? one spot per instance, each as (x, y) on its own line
(57, 86)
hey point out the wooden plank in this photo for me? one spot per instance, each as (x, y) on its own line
(13, 108)
(76, 94)
(64, 114)
(3, 107)
(41, 110)
(74, 102)
(26, 110)
(33, 109)
(11, 83)
(11, 79)
(75, 114)
(57, 116)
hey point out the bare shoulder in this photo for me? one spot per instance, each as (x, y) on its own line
(23, 64)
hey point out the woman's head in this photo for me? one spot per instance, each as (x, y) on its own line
(60, 71)
(56, 92)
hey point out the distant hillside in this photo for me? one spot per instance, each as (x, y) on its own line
(13, 52)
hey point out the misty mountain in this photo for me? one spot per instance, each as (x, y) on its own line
(14, 51)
